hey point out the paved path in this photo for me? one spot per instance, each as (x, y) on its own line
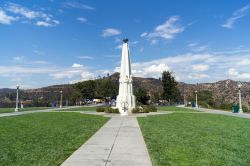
(119, 142)
(212, 111)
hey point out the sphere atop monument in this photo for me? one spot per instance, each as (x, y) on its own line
(125, 40)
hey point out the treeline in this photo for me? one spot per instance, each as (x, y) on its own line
(206, 100)
(105, 88)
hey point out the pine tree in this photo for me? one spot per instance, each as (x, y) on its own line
(170, 90)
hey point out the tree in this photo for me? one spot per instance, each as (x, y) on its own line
(205, 98)
(86, 88)
(106, 88)
(142, 95)
(170, 90)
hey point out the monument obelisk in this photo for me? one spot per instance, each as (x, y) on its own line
(125, 100)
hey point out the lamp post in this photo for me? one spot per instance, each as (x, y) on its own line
(240, 105)
(61, 92)
(61, 99)
(196, 99)
(17, 89)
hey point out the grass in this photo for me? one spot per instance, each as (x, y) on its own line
(44, 138)
(6, 110)
(197, 139)
(175, 109)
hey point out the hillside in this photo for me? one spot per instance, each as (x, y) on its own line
(222, 91)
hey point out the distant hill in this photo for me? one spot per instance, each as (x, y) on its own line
(225, 90)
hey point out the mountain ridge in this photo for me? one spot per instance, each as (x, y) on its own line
(224, 90)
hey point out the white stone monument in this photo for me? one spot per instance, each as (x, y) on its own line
(125, 100)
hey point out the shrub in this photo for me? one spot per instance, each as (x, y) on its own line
(111, 110)
(152, 108)
(115, 110)
(245, 109)
(100, 109)
(136, 110)
(144, 109)
(108, 110)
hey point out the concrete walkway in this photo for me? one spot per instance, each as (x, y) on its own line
(213, 111)
(119, 142)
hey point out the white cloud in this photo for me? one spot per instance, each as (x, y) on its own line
(196, 47)
(10, 70)
(237, 75)
(41, 62)
(168, 30)
(75, 74)
(39, 52)
(76, 65)
(244, 62)
(119, 46)
(118, 40)
(78, 6)
(198, 76)
(153, 41)
(43, 24)
(18, 9)
(141, 49)
(156, 69)
(65, 74)
(18, 58)
(85, 57)
(82, 19)
(232, 72)
(244, 76)
(5, 19)
(193, 44)
(236, 15)
(144, 34)
(27, 15)
(200, 67)
(110, 32)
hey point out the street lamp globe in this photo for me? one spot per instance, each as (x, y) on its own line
(239, 85)
(17, 86)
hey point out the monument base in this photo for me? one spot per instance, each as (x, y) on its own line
(125, 106)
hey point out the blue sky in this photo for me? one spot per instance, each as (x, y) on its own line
(64, 41)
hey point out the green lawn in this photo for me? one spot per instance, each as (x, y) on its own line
(175, 109)
(197, 139)
(5, 110)
(44, 138)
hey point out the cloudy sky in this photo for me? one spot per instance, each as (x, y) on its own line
(63, 41)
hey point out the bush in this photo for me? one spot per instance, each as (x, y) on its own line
(152, 108)
(137, 110)
(144, 109)
(100, 109)
(111, 110)
(245, 109)
(108, 110)
(115, 110)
